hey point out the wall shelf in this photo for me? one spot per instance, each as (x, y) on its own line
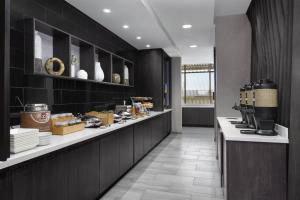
(60, 44)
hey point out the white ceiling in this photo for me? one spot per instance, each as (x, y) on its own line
(159, 23)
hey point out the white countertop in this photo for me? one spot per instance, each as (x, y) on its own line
(198, 106)
(231, 133)
(59, 142)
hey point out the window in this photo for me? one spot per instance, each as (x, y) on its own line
(198, 83)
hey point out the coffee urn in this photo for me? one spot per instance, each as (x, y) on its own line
(241, 108)
(249, 90)
(265, 106)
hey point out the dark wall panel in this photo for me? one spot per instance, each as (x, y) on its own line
(61, 95)
(271, 22)
(4, 78)
(294, 131)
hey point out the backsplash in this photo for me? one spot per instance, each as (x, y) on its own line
(60, 94)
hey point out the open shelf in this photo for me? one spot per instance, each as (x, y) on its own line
(62, 45)
(84, 52)
(55, 43)
(130, 67)
(118, 67)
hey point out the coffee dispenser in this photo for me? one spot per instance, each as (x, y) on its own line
(265, 106)
(249, 90)
(241, 108)
(262, 106)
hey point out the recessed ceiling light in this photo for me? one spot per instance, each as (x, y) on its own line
(148, 46)
(187, 26)
(106, 10)
(193, 46)
(138, 37)
(125, 26)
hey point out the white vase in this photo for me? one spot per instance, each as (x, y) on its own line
(38, 45)
(126, 75)
(73, 71)
(99, 74)
(82, 74)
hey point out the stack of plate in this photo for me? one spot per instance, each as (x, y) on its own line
(22, 139)
(44, 138)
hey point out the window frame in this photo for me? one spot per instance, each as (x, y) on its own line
(210, 69)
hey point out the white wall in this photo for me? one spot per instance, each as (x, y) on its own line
(233, 61)
(176, 95)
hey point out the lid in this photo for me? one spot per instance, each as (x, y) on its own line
(249, 86)
(265, 84)
(36, 107)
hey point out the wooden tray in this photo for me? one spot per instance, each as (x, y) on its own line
(107, 118)
(67, 129)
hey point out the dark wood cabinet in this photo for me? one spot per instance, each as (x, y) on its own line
(147, 136)
(252, 170)
(139, 134)
(167, 124)
(154, 77)
(5, 184)
(116, 156)
(84, 174)
(109, 161)
(197, 116)
(142, 139)
(126, 149)
(157, 130)
(52, 177)
(24, 182)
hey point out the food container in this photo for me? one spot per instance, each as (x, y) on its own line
(107, 118)
(64, 124)
(36, 116)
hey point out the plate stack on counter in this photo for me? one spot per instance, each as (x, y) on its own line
(23, 139)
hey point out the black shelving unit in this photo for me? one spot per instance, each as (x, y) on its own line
(63, 44)
(4, 80)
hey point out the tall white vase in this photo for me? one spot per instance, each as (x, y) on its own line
(126, 75)
(99, 74)
(38, 46)
(72, 70)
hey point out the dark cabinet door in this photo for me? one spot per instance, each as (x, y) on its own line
(24, 182)
(5, 186)
(169, 122)
(51, 177)
(109, 161)
(157, 130)
(147, 136)
(84, 173)
(139, 133)
(126, 149)
(166, 124)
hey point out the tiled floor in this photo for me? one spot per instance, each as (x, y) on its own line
(182, 167)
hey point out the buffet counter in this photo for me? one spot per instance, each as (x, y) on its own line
(231, 133)
(60, 142)
(251, 166)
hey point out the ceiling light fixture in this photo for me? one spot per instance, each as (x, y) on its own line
(106, 10)
(187, 26)
(193, 46)
(125, 26)
(148, 46)
(138, 37)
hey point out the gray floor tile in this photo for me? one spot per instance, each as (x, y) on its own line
(182, 167)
